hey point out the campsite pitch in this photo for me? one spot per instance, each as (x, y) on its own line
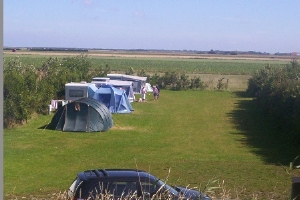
(197, 135)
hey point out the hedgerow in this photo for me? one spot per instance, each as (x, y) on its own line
(29, 89)
(277, 92)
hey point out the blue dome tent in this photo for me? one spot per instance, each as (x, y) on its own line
(115, 99)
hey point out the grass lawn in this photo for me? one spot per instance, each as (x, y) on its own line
(197, 135)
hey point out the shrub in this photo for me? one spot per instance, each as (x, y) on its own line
(277, 94)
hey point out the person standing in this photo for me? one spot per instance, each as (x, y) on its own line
(155, 93)
(143, 94)
(158, 91)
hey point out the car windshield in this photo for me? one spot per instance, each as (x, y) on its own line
(167, 187)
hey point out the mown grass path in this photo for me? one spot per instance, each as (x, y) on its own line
(197, 135)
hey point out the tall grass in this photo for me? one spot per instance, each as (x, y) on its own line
(198, 135)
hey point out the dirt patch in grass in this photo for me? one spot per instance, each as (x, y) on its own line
(124, 128)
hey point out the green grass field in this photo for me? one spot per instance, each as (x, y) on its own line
(197, 135)
(158, 65)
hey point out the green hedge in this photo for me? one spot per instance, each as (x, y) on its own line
(277, 93)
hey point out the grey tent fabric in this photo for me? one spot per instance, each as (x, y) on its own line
(82, 115)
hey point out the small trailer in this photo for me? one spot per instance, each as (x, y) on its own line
(74, 91)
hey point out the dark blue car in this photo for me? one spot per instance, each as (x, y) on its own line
(126, 184)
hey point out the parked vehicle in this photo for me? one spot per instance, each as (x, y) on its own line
(126, 184)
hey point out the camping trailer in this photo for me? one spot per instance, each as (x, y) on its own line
(137, 81)
(124, 85)
(74, 91)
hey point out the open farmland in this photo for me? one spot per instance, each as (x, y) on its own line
(155, 62)
(210, 68)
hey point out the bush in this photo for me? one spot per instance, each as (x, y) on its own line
(277, 94)
(29, 89)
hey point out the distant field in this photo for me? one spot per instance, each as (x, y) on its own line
(210, 68)
(194, 63)
(153, 54)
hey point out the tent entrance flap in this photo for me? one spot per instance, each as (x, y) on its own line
(76, 114)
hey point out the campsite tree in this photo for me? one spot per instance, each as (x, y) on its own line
(142, 73)
(129, 71)
(156, 79)
(12, 94)
(196, 83)
(99, 72)
(170, 79)
(58, 72)
(222, 84)
(78, 67)
(53, 77)
(183, 82)
(276, 91)
(20, 88)
(28, 90)
(106, 70)
(44, 96)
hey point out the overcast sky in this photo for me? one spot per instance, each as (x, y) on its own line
(243, 25)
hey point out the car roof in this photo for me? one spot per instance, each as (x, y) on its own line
(113, 173)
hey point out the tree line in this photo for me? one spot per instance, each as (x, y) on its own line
(28, 89)
(277, 93)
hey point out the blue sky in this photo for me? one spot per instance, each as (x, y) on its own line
(253, 25)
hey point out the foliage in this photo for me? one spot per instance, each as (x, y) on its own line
(28, 88)
(176, 81)
(129, 71)
(20, 87)
(222, 85)
(277, 94)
